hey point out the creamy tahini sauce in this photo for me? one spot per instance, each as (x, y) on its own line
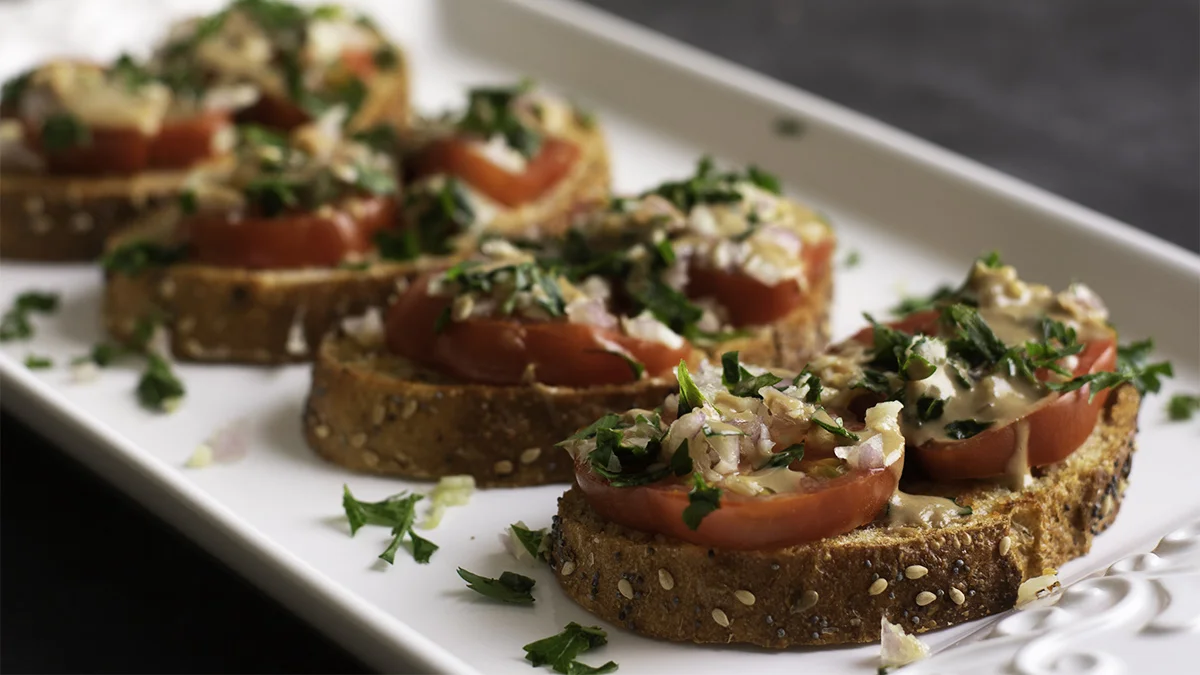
(1016, 473)
(905, 510)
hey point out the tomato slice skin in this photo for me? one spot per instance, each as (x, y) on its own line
(1058, 426)
(831, 508)
(455, 156)
(499, 350)
(291, 240)
(749, 301)
(184, 142)
(179, 144)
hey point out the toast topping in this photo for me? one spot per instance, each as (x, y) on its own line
(299, 62)
(744, 439)
(509, 146)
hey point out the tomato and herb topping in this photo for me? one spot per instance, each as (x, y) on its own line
(70, 117)
(300, 62)
(510, 146)
(708, 256)
(995, 377)
(741, 458)
(507, 318)
(313, 199)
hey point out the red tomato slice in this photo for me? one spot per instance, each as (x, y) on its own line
(749, 301)
(1058, 424)
(108, 151)
(290, 240)
(456, 157)
(826, 509)
(498, 351)
(184, 142)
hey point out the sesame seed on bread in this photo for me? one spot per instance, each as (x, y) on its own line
(836, 590)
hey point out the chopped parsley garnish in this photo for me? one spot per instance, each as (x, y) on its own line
(636, 368)
(974, 341)
(102, 354)
(436, 217)
(690, 396)
(834, 427)
(708, 186)
(1131, 367)
(512, 588)
(381, 137)
(491, 111)
(809, 379)
(741, 382)
(159, 389)
(35, 362)
(788, 126)
(131, 73)
(560, 651)
(963, 429)
(1183, 407)
(703, 499)
(62, 131)
(916, 303)
(853, 258)
(15, 324)
(136, 257)
(385, 58)
(531, 540)
(929, 408)
(793, 453)
(397, 512)
(681, 460)
(532, 279)
(14, 88)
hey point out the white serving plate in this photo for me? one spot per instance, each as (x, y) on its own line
(916, 213)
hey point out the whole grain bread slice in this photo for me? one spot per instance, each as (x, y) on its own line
(836, 590)
(373, 411)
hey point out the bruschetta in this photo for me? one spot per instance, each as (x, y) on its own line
(88, 148)
(925, 472)
(527, 160)
(482, 368)
(257, 266)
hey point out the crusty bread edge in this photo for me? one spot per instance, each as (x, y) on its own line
(820, 593)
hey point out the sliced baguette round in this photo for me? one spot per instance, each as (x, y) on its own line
(836, 590)
(372, 411)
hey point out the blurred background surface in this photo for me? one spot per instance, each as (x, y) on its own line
(1097, 100)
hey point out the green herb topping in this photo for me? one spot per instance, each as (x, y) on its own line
(15, 324)
(159, 389)
(397, 512)
(63, 131)
(491, 111)
(532, 541)
(709, 186)
(511, 588)
(1182, 407)
(36, 362)
(136, 257)
(703, 499)
(560, 651)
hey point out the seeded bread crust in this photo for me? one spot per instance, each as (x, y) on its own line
(372, 411)
(243, 316)
(60, 219)
(821, 593)
(67, 218)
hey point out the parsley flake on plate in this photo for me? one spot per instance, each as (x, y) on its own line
(511, 588)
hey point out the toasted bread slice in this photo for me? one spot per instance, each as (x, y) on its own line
(372, 411)
(65, 218)
(836, 590)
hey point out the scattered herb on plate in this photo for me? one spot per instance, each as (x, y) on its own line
(512, 588)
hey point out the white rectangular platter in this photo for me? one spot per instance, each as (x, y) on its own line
(917, 214)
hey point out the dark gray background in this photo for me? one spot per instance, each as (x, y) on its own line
(1095, 100)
